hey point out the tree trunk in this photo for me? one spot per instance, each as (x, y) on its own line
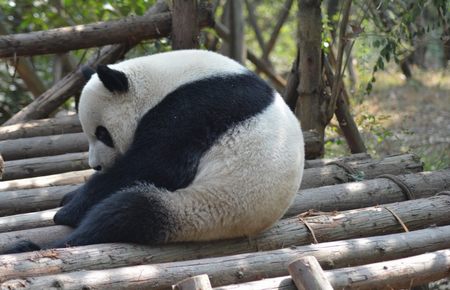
(185, 31)
(44, 127)
(310, 104)
(221, 270)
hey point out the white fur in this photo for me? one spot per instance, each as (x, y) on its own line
(244, 183)
(151, 79)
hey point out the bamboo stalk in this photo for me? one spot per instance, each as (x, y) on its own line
(221, 270)
(416, 214)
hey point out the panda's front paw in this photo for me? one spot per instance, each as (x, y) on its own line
(21, 247)
(66, 217)
(68, 197)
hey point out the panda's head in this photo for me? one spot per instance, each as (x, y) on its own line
(108, 114)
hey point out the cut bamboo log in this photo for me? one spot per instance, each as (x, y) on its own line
(43, 146)
(67, 178)
(44, 127)
(12, 202)
(327, 198)
(367, 222)
(39, 166)
(308, 275)
(397, 274)
(76, 142)
(221, 270)
(200, 282)
(313, 177)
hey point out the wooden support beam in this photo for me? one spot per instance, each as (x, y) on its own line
(308, 275)
(199, 282)
(64, 39)
(329, 198)
(43, 146)
(16, 200)
(221, 270)
(44, 127)
(185, 30)
(40, 166)
(396, 274)
(44, 105)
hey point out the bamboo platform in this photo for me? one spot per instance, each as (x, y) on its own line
(356, 223)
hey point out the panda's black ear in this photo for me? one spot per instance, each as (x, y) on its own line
(113, 80)
(87, 72)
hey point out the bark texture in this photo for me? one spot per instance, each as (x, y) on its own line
(221, 270)
(367, 222)
(44, 127)
(185, 31)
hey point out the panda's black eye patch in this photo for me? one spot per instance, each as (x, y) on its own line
(103, 136)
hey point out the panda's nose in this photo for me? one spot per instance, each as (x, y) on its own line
(98, 168)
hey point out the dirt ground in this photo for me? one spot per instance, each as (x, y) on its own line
(408, 116)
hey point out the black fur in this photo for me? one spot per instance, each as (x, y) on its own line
(22, 246)
(87, 72)
(169, 142)
(113, 80)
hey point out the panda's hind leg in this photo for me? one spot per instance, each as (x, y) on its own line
(135, 215)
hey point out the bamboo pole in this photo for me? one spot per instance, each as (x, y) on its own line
(328, 198)
(44, 127)
(221, 270)
(39, 166)
(416, 214)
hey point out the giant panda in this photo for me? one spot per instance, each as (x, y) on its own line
(189, 145)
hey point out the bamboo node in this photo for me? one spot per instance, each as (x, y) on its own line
(403, 186)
